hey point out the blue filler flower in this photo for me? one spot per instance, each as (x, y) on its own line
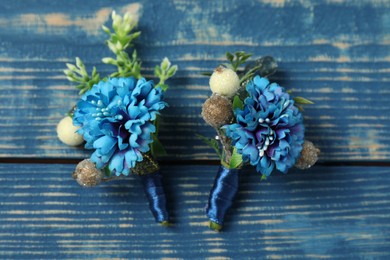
(269, 132)
(115, 118)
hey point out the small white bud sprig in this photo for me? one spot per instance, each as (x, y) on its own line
(78, 73)
(164, 72)
(120, 39)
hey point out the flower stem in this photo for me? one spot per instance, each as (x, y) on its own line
(227, 147)
(155, 193)
(152, 180)
(215, 226)
(221, 196)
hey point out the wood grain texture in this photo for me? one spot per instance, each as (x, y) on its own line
(324, 213)
(335, 53)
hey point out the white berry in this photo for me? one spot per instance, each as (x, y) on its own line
(66, 132)
(224, 81)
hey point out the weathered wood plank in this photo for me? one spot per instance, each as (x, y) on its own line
(333, 52)
(324, 213)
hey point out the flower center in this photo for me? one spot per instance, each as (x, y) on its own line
(103, 111)
(268, 137)
(262, 120)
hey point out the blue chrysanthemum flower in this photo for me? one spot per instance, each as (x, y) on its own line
(269, 131)
(116, 118)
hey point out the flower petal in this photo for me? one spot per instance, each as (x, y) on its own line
(105, 144)
(253, 154)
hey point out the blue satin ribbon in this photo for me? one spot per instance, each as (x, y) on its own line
(154, 191)
(222, 194)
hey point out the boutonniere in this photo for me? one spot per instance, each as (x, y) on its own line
(258, 123)
(117, 117)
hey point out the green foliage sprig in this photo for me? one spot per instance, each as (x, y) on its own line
(78, 73)
(121, 38)
(126, 66)
(164, 72)
(239, 58)
(300, 101)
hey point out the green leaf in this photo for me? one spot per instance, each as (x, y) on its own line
(172, 70)
(157, 71)
(106, 30)
(135, 35)
(109, 60)
(212, 143)
(303, 101)
(165, 64)
(79, 63)
(71, 67)
(229, 56)
(115, 74)
(164, 87)
(107, 171)
(237, 103)
(157, 124)
(239, 53)
(157, 148)
(235, 160)
(263, 177)
(239, 58)
(134, 55)
(246, 56)
(70, 114)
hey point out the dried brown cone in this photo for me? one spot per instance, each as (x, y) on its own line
(217, 111)
(309, 156)
(86, 174)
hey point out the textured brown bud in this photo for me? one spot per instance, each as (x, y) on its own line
(309, 156)
(86, 174)
(217, 111)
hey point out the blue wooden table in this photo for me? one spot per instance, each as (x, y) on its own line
(336, 53)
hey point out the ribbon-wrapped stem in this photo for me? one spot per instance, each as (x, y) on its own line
(221, 196)
(154, 190)
(152, 180)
